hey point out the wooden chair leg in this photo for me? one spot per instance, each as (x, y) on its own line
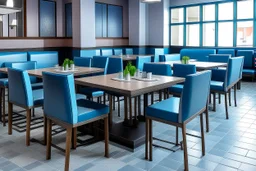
(229, 97)
(152, 98)
(3, 114)
(104, 99)
(177, 136)
(49, 139)
(10, 111)
(45, 130)
(106, 137)
(202, 133)
(114, 102)
(147, 138)
(214, 102)
(150, 141)
(235, 89)
(185, 147)
(226, 105)
(219, 98)
(68, 145)
(160, 96)
(74, 138)
(119, 108)
(207, 118)
(28, 127)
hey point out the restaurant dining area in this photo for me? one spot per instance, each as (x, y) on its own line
(127, 85)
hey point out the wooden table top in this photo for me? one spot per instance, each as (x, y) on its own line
(129, 58)
(130, 89)
(77, 72)
(199, 65)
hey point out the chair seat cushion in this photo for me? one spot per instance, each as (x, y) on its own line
(4, 82)
(91, 92)
(36, 86)
(249, 71)
(176, 89)
(217, 85)
(38, 96)
(166, 110)
(80, 97)
(88, 110)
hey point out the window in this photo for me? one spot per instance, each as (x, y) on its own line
(209, 34)
(225, 34)
(245, 9)
(177, 15)
(193, 14)
(108, 20)
(192, 35)
(209, 12)
(245, 33)
(177, 35)
(68, 19)
(226, 11)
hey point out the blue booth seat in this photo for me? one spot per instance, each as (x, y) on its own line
(249, 63)
(106, 52)
(118, 51)
(141, 60)
(231, 52)
(128, 51)
(222, 58)
(157, 53)
(198, 54)
(83, 61)
(170, 57)
(158, 69)
(66, 111)
(44, 59)
(179, 112)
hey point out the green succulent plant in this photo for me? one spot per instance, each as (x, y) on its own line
(67, 62)
(130, 69)
(185, 59)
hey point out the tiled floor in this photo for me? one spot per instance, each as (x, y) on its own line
(230, 145)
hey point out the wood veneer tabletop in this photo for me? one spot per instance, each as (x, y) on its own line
(129, 57)
(130, 89)
(4, 70)
(77, 72)
(199, 65)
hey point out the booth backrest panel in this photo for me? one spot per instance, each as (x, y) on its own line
(248, 58)
(198, 54)
(170, 57)
(44, 59)
(227, 51)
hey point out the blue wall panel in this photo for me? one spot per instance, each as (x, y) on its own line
(115, 21)
(47, 18)
(68, 19)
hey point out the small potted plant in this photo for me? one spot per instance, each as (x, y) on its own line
(66, 64)
(129, 71)
(185, 60)
(71, 65)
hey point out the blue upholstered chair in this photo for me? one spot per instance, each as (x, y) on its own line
(170, 57)
(65, 111)
(222, 58)
(22, 95)
(118, 51)
(180, 111)
(181, 70)
(231, 52)
(128, 51)
(97, 62)
(249, 63)
(140, 60)
(106, 52)
(157, 53)
(83, 61)
(158, 69)
(223, 81)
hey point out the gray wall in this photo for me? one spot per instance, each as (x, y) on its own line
(188, 2)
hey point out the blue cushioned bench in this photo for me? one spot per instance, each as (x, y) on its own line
(44, 59)
(249, 67)
(231, 52)
(198, 54)
(169, 57)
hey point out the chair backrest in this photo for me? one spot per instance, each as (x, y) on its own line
(28, 65)
(129, 51)
(170, 57)
(227, 51)
(140, 60)
(118, 51)
(115, 65)
(106, 52)
(44, 59)
(83, 61)
(63, 106)
(194, 95)
(158, 69)
(100, 62)
(219, 58)
(233, 71)
(20, 90)
(157, 53)
(182, 70)
(248, 58)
